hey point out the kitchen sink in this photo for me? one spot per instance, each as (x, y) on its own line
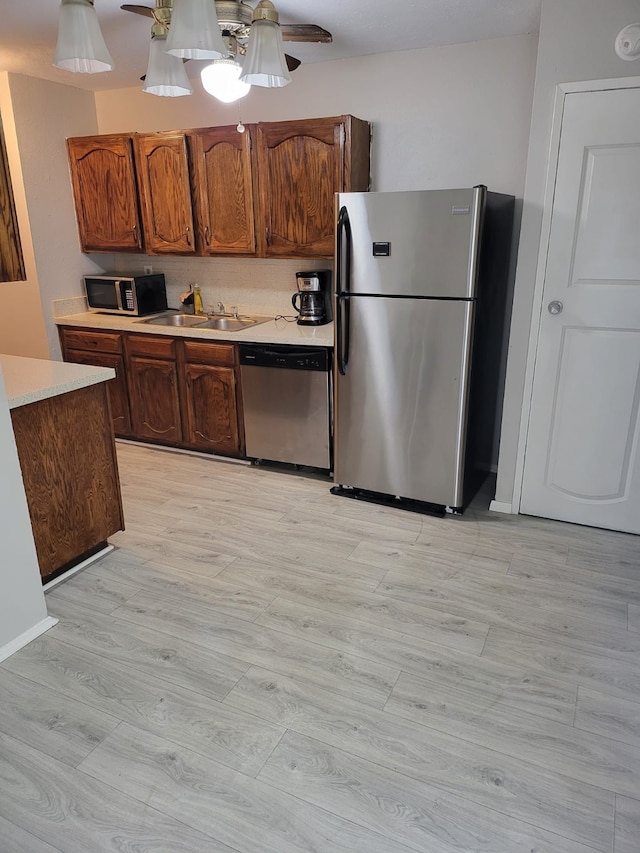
(175, 320)
(220, 322)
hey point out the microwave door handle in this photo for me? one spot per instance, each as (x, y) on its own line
(118, 286)
(343, 276)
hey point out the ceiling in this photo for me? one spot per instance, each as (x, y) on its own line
(360, 27)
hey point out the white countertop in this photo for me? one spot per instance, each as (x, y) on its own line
(28, 380)
(271, 332)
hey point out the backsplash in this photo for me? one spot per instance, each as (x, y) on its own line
(254, 285)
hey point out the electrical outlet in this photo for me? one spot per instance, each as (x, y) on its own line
(148, 269)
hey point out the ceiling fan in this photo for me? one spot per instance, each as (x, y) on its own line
(235, 20)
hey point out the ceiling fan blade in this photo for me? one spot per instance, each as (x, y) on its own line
(139, 10)
(305, 32)
(292, 62)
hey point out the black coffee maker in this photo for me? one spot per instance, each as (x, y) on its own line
(314, 297)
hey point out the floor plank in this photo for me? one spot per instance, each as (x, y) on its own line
(634, 617)
(627, 832)
(243, 812)
(239, 740)
(520, 687)
(419, 815)
(511, 786)
(64, 807)
(608, 716)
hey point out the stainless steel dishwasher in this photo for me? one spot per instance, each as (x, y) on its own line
(287, 403)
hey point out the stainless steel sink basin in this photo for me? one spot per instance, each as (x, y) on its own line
(176, 320)
(230, 324)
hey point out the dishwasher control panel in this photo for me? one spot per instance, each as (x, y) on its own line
(290, 357)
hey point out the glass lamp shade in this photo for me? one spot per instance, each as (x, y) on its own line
(194, 31)
(165, 75)
(220, 79)
(265, 64)
(80, 46)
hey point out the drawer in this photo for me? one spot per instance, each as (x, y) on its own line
(92, 341)
(201, 352)
(160, 347)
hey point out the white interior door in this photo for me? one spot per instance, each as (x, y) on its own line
(581, 461)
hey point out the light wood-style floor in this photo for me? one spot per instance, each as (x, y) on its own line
(261, 667)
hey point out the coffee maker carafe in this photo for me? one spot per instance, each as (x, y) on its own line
(314, 297)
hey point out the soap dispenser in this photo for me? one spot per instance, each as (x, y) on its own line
(197, 300)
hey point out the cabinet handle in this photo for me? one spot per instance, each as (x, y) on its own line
(135, 233)
(207, 235)
(188, 236)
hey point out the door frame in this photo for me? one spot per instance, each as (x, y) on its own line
(562, 90)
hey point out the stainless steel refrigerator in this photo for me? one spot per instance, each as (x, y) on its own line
(421, 282)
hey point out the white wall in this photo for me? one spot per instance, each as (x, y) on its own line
(575, 44)
(442, 117)
(22, 606)
(45, 114)
(22, 326)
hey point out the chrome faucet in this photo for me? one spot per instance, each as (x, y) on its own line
(220, 308)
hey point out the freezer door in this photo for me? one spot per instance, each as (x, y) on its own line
(401, 404)
(432, 240)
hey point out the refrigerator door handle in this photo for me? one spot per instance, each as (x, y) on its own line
(343, 286)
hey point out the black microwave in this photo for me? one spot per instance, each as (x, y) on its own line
(126, 294)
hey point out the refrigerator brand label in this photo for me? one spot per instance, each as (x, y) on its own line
(381, 250)
(460, 211)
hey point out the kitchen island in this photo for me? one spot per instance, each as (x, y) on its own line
(62, 424)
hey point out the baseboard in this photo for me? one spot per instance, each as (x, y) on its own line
(501, 506)
(83, 565)
(15, 645)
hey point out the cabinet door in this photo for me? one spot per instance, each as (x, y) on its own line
(104, 189)
(223, 181)
(155, 405)
(211, 410)
(301, 166)
(117, 388)
(165, 193)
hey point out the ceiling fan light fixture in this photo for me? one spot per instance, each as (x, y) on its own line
(165, 75)
(194, 32)
(81, 47)
(265, 63)
(221, 79)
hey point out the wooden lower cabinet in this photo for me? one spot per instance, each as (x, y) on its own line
(211, 421)
(102, 349)
(167, 390)
(68, 461)
(117, 388)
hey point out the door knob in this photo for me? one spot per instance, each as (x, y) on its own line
(555, 307)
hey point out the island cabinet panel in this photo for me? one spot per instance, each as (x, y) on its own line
(223, 181)
(165, 193)
(301, 165)
(68, 461)
(103, 349)
(105, 193)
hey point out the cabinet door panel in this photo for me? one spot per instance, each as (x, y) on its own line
(155, 406)
(117, 388)
(301, 167)
(165, 193)
(104, 188)
(223, 172)
(212, 412)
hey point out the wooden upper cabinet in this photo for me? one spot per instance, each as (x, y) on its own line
(223, 180)
(105, 194)
(165, 193)
(301, 164)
